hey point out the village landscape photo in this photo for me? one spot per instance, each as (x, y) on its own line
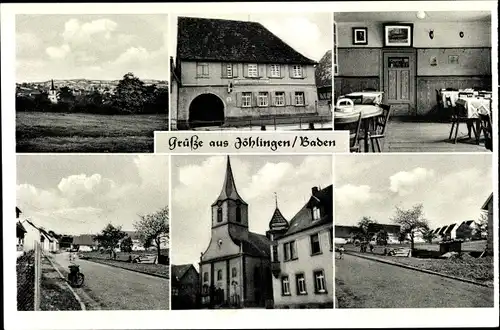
(414, 231)
(92, 232)
(251, 71)
(254, 232)
(90, 83)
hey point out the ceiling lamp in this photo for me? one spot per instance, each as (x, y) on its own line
(421, 14)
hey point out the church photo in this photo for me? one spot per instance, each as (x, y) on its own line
(252, 232)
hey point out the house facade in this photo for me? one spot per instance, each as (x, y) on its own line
(235, 269)
(488, 208)
(85, 243)
(302, 262)
(185, 286)
(227, 76)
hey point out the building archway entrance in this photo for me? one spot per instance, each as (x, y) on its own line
(206, 110)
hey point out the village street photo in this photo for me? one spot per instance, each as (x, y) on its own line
(90, 83)
(414, 231)
(252, 232)
(251, 71)
(92, 232)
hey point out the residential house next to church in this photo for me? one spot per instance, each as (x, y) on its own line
(302, 254)
(237, 73)
(235, 269)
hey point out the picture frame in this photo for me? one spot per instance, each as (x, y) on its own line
(398, 35)
(360, 36)
(453, 59)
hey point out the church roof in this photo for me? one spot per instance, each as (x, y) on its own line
(277, 220)
(253, 244)
(303, 219)
(178, 271)
(229, 187)
(210, 39)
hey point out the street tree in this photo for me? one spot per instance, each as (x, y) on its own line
(154, 228)
(411, 221)
(365, 229)
(428, 235)
(110, 236)
(126, 244)
(481, 229)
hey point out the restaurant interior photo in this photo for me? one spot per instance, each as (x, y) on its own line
(414, 81)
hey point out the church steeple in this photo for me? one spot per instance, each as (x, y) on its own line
(52, 85)
(278, 225)
(229, 187)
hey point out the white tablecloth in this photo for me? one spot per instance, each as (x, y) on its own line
(454, 96)
(375, 96)
(475, 106)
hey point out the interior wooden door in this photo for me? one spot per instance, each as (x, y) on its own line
(399, 82)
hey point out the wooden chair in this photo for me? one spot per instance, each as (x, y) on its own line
(487, 130)
(354, 136)
(458, 115)
(380, 127)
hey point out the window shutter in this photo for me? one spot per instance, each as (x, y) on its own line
(292, 98)
(224, 70)
(268, 68)
(272, 101)
(254, 99)
(245, 70)
(304, 71)
(238, 99)
(235, 70)
(290, 70)
(262, 70)
(199, 70)
(282, 70)
(305, 98)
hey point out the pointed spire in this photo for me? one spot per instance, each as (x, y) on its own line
(278, 221)
(229, 187)
(276, 199)
(52, 85)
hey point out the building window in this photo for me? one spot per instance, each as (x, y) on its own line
(316, 213)
(229, 70)
(202, 70)
(246, 99)
(252, 71)
(234, 272)
(238, 213)
(299, 98)
(289, 251)
(330, 236)
(275, 253)
(263, 99)
(280, 99)
(301, 283)
(275, 70)
(297, 71)
(315, 247)
(219, 275)
(319, 281)
(219, 214)
(285, 286)
(205, 277)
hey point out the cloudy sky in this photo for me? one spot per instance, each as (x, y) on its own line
(72, 194)
(308, 33)
(197, 182)
(451, 187)
(91, 46)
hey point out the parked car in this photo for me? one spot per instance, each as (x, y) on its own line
(144, 259)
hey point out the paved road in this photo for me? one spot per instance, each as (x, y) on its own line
(370, 284)
(117, 289)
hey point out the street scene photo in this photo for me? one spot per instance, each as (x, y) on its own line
(414, 231)
(251, 71)
(92, 232)
(90, 83)
(252, 232)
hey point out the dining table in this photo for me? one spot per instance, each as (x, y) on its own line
(369, 97)
(350, 113)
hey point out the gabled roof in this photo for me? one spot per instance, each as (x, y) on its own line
(323, 72)
(253, 244)
(303, 219)
(18, 212)
(468, 222)
(84, 240)
(229, 187)
(488, 200)
(450, 228)
(20, 227)
(178, 271)
(210, 39)
(443, 229)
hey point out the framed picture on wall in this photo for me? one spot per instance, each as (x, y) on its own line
(359, 36)
(398, 35)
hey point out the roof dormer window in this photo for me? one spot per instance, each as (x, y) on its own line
(316, 213)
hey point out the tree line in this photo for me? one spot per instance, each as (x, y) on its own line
(131, 96)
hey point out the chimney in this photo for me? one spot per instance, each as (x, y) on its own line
(314, 190)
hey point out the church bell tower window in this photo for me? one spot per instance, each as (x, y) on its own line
(238, 213)
(219, 213)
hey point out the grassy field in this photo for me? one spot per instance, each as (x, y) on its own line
(60, 132)
(122, 261)
(55, 295)
(25, 272)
